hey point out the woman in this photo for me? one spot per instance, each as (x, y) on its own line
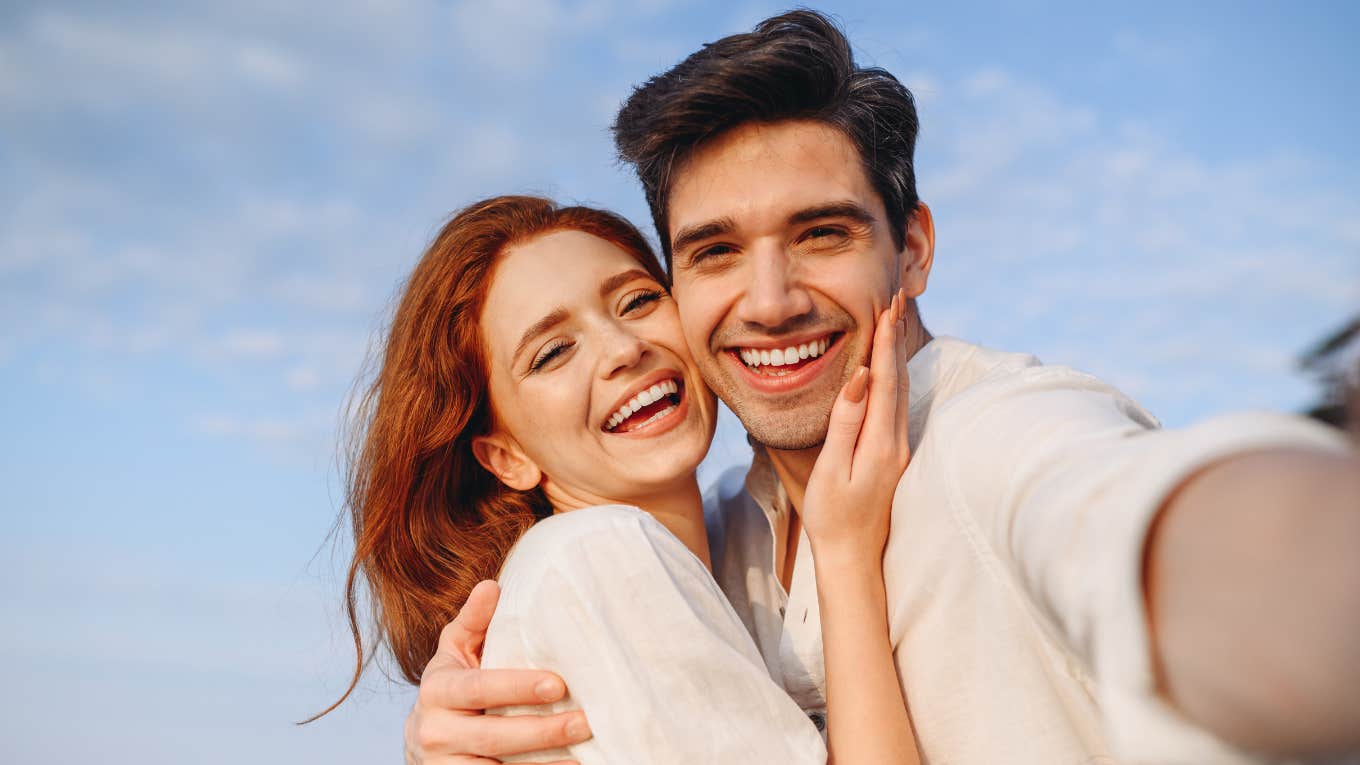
(534, 393)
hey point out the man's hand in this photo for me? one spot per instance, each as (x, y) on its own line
(447, 725)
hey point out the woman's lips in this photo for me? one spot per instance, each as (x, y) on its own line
(656, 418)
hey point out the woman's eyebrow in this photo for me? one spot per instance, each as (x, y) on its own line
(620, 279)
(537, 328)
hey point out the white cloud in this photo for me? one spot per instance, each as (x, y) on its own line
(303, 378)
(518, 37)
(1107, 246)
(253, 344)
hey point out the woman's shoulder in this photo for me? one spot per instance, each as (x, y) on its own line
(602, 534)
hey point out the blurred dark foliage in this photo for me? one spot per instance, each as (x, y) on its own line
(1335, 362)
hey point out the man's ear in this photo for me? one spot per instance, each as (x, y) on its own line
(502, 456)
(918, 253)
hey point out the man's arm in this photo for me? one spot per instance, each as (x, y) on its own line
(447, 725)
(1252, 580)
(1204, 574)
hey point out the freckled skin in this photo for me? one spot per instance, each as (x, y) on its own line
(606, 346)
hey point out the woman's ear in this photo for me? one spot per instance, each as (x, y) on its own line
(502, 456)
(919, 251)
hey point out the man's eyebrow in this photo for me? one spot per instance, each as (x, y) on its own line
(852, 210)
(537, 328)
(700, 231)
(622, 278)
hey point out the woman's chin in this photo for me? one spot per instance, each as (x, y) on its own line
(665, 459)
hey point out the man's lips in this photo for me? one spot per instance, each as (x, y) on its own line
(776, 370)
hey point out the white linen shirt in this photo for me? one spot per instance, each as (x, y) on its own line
(1013, 567)
(648, 645)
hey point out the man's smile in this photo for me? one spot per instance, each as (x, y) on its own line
(784, 364)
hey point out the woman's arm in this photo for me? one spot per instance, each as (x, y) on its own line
(846, 512)
(867, 720)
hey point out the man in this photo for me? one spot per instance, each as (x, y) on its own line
(1066, 582)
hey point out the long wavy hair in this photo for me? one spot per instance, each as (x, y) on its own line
(429, 521)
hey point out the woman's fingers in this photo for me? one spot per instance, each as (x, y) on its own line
(903, 422)
(881, 418)
(842, 430)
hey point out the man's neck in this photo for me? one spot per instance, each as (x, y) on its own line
(794, 467)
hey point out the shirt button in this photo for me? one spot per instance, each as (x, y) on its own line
(818, 719)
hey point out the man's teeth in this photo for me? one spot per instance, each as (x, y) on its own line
(779, 357)
(644, 398)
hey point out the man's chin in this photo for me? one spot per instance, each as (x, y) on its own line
(789, 430)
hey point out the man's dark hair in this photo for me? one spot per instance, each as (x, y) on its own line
(797, 65)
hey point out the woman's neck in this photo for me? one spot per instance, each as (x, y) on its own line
(681, 510)
(679, 507)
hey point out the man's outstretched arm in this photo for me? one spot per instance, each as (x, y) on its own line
(1252, 580)
(1211, 571)
(447, 725)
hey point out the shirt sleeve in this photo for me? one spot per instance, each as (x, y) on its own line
(1061, 476)
(649, 647)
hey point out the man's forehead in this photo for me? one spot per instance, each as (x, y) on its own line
(766, 169)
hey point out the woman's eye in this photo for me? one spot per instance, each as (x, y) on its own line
(548, 354)
(641, 299)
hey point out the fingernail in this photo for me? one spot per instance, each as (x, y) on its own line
(858, 385)
(578, 730)
(549, 689)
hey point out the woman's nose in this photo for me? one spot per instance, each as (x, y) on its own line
(622, 350)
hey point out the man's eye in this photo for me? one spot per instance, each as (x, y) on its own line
(709, 253)
(548, 354)
(824, 231)
(640, 299)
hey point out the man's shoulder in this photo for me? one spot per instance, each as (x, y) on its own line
(953, 366)
(976, 380)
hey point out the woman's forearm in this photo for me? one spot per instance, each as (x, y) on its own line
(866, 714)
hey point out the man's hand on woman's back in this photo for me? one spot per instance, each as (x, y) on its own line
(447, 725)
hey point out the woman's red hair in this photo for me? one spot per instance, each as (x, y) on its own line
(429, 521)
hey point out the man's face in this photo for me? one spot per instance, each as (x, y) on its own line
(780, 242)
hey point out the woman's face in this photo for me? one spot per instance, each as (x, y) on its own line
(593, 389)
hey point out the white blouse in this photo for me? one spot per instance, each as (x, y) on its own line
(647, 643)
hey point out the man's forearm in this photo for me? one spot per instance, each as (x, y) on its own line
(1252, 580)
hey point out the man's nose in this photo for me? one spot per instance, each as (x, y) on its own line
(773, 293)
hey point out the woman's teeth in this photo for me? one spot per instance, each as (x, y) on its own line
(757, 358)
(644, 399)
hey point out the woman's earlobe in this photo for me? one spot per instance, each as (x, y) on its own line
(503, 458)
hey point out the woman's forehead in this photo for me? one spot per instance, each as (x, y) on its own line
(561, 270)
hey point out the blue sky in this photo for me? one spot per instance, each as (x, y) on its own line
(205, 210)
